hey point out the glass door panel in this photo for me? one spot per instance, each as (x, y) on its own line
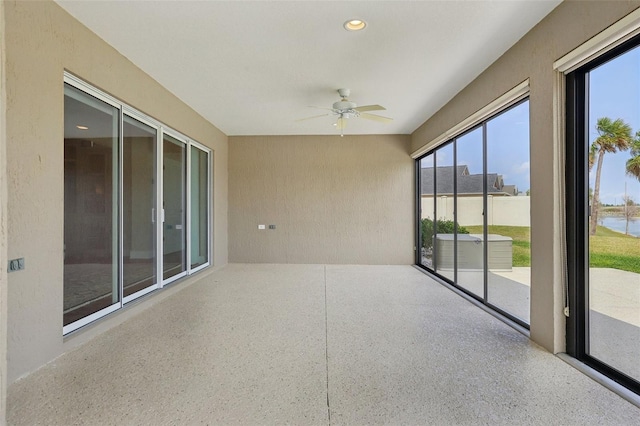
(91, 131)
(139, 205)
(469, 209)
(199, 207)
(174, 206)
(614, 225)
(508, 212)
(444, 240)
(427, 210)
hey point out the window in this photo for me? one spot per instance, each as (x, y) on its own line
(474, 211)
(126, 180)
(603, 213)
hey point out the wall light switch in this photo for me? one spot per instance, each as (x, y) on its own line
(272, 227)
(262, 227)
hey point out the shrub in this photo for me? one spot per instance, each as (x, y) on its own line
(442, 227)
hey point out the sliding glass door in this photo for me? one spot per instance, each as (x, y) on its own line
(508, 212)
(199, 194)
(426, 178)
(469, 200)
(444, 238)
(603, 213)
(137, 200)
(475, 211)
(174, 243)
(90, 206)
(139, 256)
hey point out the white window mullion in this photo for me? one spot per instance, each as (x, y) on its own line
(187, 209)
(120, 209)
(159, 213)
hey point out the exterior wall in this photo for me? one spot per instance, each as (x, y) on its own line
(42, 40)
(3, 224)
(332, 199)
(508, 211)
(568, 26)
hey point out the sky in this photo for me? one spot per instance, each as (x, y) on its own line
(614, 92)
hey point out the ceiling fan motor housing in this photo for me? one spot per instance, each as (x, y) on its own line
(343, 105)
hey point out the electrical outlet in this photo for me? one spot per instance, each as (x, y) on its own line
(16, 264)
(262, 227)
(272, 227)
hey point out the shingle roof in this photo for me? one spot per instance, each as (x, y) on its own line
(467, 183)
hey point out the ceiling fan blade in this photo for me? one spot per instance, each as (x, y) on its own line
(374, 117)
(370, 108)
(315, 116)
(342, 123)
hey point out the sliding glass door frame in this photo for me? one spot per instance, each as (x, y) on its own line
(115, 212)
(157, 213)
(209, 191)
(189, 144)
(133, 114)
(577, 212)
(162, 207)
(484, 299)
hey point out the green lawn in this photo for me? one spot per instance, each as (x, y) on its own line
(608, 249)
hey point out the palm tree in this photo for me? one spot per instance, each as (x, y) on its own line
(613, 136)
(633, 164)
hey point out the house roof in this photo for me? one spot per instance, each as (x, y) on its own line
(467, 183)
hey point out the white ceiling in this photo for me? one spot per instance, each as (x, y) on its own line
(254, 67)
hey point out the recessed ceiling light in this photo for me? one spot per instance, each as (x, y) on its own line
(82, 127)
(355, 25)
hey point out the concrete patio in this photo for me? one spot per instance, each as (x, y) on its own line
(313, 344)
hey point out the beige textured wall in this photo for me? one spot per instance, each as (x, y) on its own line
(3, 226)
(333, 200)
(568, 26)
(42, 40)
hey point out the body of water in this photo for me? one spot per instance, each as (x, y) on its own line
(619, 223)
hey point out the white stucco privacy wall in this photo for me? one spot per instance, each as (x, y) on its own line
(507, 211)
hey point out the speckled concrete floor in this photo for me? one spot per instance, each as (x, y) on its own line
(309, 344)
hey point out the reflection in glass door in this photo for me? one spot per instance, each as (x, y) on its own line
(174, 207)
(139, 255)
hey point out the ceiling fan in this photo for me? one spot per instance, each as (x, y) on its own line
(344, 109)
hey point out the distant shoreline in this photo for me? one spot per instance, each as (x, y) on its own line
(619, 225)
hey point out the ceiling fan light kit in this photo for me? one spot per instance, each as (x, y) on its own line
(344, 109)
